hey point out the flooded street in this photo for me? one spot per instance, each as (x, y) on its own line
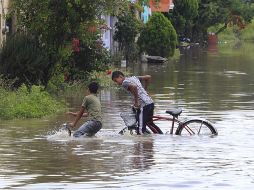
(217, 85)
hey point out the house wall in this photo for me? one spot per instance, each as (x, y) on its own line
(107, 35)
(106, 32)
(4, 29)
(163, 5)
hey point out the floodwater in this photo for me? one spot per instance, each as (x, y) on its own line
(217, 85)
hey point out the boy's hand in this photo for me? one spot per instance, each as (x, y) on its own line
(71, 125)
(136, 106)
(70, 113)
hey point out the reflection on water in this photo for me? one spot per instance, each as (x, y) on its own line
(215, 85)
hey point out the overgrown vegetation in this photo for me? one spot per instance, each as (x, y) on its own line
(234, 33)
(192, 21)
(247, 33)
(23, 59)
(24, 103)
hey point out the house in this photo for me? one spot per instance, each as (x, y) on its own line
(162, 6)
(108, 31)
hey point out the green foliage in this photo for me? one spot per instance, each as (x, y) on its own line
(53, 24)
(22, 103)
(212, 12)
(91, 57)
(230, 35)
(183, 16)
(247, 33)
(158, 36)
(55, 21)
(101, 77)
(192, 18)
(23, 59)
(127, 28)
(56, 82)
(243, 9)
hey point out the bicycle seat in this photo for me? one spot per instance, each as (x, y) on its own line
(175, 112)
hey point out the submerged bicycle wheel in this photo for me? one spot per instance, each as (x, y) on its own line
(131, 131)
(196, 127)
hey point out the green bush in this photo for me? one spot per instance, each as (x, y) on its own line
(248, 32)
(91, 57)
(22, 103)
(22, 58)
(158, 37)
(57, 80)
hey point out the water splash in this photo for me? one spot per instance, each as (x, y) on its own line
(58, 134)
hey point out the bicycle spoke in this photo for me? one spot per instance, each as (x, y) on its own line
(188, 129)
(200, 128)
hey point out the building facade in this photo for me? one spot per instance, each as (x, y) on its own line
(5, 22)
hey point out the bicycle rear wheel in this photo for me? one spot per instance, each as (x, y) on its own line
(196, 127)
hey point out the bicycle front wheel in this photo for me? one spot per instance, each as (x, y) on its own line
(131, 131)
(196, 127)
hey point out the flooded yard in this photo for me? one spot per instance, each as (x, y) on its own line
(217, 85)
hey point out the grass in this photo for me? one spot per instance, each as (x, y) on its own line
(248, 32)
(24, 104)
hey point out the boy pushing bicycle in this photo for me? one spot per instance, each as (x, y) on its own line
(143, 103)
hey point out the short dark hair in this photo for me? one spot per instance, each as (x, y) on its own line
(116, 74)
(93, 87)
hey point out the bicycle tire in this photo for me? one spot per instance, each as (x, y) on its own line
(196, 127)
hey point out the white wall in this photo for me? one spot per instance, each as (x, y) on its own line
(3, 12)
(106, 37)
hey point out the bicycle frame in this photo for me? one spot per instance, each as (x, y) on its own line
(192, 126)
(164, 118)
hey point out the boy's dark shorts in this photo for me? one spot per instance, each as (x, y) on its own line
(89, 128)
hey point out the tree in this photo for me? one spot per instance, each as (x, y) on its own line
(127, 29)
(158, 37)
(183, 15)
(192, 18)
(212, 12)
(54, 24)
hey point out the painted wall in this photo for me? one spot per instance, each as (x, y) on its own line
(163, 6)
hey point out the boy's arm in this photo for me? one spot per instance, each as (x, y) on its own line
(76, 113)
(146, 79)
(78, 116)
(134, 91)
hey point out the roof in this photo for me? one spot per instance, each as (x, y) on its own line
(162, 6)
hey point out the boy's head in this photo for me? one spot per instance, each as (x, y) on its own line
(118, 77)
(93, 87)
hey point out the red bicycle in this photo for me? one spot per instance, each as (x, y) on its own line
(196, 126)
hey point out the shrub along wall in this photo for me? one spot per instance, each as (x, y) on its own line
(158, 37)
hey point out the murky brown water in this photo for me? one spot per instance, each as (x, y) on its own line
(217, 85)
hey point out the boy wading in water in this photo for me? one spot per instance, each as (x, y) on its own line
(91, 109)
(143, 103)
